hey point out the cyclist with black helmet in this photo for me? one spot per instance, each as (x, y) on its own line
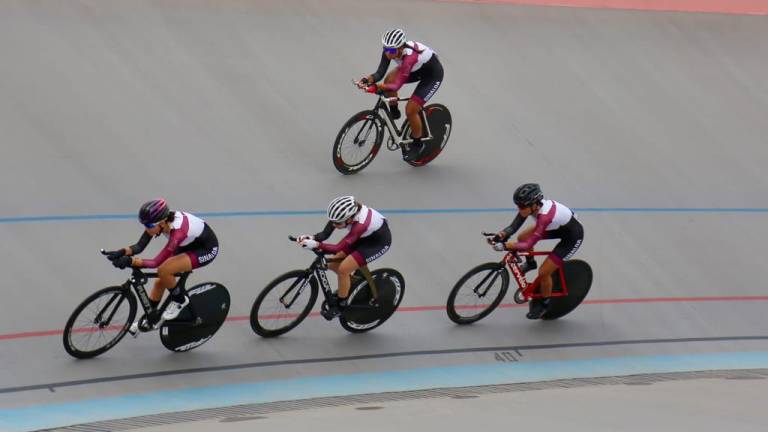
(191, 244)
(416, 62)
(368, 239)
(553, 221)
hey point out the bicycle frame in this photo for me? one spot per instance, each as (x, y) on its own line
(318, 268)
(137, 281)
(398, 135)
(528, 289)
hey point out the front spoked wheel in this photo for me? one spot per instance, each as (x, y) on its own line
(478, 293)
(99, 322)
(284, 303)
(440, 125)
(358, 142)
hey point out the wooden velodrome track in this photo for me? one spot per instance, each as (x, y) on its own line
(650, 124)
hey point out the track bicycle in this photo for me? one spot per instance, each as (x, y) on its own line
(359, 140)
(482, 288)
(286, 301)
(105, 317)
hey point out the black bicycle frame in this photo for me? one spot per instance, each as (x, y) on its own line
(318, 269)
(137, 281)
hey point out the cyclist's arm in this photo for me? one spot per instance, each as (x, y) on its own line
(346, 244)
(177, 236)
(403, 72)
(139, 246)
(325, 233)
(382, 69)
(513, 227)
(542, 222)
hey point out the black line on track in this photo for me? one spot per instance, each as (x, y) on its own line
(52, 386)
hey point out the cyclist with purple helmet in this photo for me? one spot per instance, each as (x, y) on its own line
(191, 244)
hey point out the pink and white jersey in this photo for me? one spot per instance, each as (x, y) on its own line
(416, 54)
(551, 216)
(366, 222)
(185, 229)
(188, 224)
(376, 221)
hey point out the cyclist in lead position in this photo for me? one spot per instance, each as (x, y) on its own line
(191, 244)
(415, 62)
(368, 239)
(553, 221)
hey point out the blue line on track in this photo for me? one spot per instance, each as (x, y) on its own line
(489, 373)
(286, 213)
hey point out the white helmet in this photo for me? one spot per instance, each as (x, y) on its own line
(394, 38)
(342, 208)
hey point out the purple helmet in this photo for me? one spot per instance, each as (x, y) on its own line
(153, 211)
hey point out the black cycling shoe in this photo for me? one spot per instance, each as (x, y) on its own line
(414, 151)
(329, 312)
(538, 309)
(333, 308)
(395, 112)
(528, 265)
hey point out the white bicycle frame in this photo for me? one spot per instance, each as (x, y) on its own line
(397, 136)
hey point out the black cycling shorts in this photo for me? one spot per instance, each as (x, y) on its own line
(203, 249)
(429, 76)
(571, 235)
(372, 247)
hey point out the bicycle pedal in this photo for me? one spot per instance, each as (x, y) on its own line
(133, 330)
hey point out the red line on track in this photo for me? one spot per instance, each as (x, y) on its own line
(747, 7)
(44, 333)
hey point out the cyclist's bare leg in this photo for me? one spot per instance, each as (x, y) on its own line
(165, 274)
(412, 110)
(345, 270)
(389, 79)
(545, 277)
(336, 261)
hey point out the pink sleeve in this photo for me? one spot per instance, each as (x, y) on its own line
(538, 233)
(177, 236)
(403, 72)
(345, 245)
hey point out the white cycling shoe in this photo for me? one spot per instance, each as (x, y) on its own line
(174, 308)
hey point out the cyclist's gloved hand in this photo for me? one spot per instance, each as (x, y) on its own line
(364, 80)
(113, 255)
(122, 262)
(309, 244)
(304, 237)
(500, 247)
(373, 88)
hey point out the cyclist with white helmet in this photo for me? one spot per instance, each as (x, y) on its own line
(368, 239)
(191, 244)
(416, 62)
(553, 221)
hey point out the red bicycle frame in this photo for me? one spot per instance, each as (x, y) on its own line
(528, 289)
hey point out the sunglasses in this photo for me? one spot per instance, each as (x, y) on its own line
(390, 50)
(151, 225)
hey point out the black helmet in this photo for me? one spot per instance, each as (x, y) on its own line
(527, 195)
(153, 211)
